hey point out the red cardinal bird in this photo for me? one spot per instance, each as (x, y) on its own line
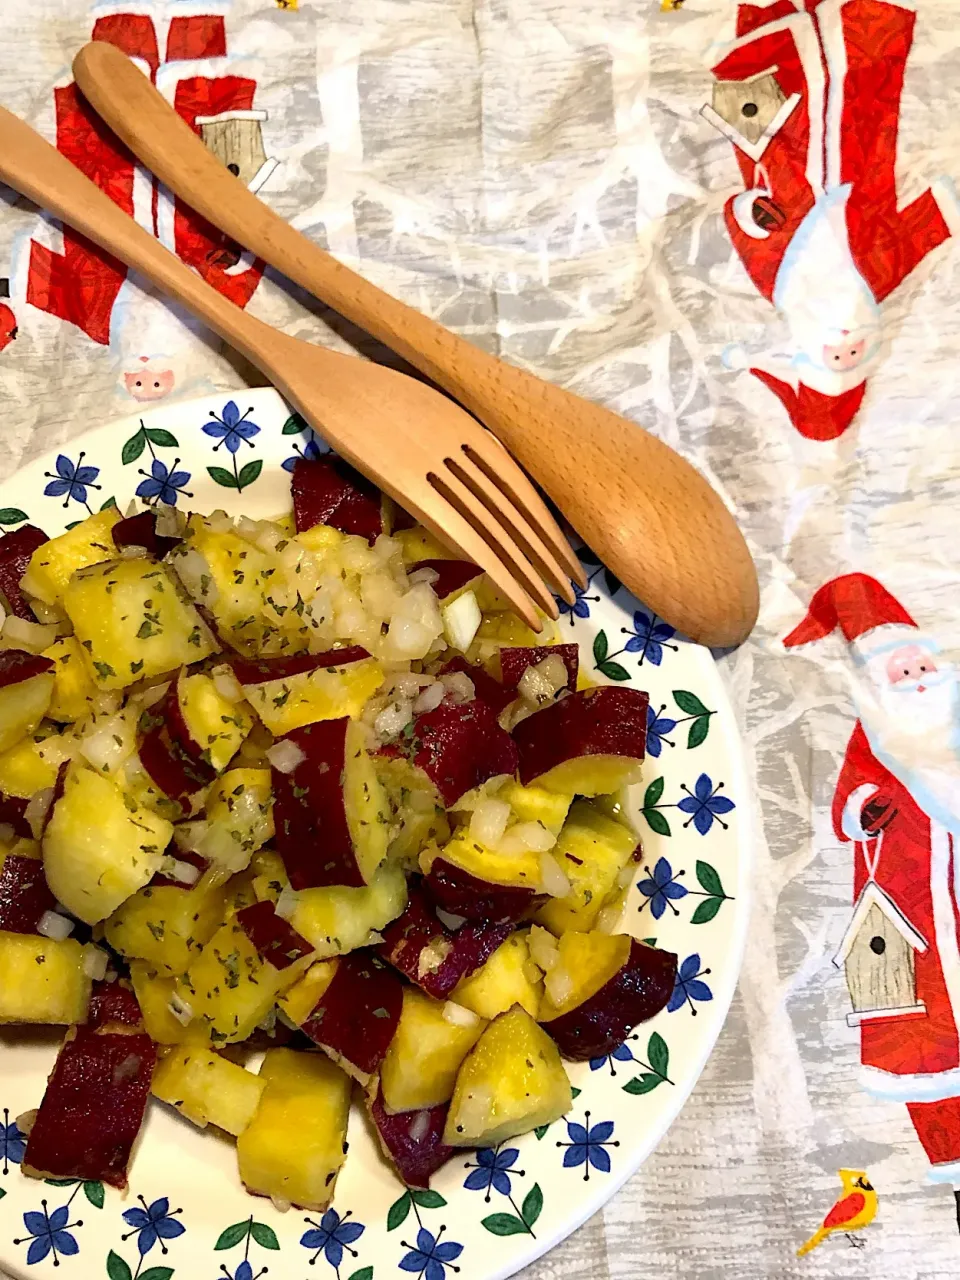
(856, 1208)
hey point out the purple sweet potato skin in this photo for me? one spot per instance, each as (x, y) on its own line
(259, 670)
(460, 747)
(312, 834)
(113, 1002)
(16, 550)
(463, 894)
(357, 1015)
(93, 1107)
(451, 574)
(637, 991)
(16, 665)
(141, 531)
(488, 690)
(24, 895)
(470, 946)
(610, 720)
(329, 491)
(275, 939)
(514, 662)
(415, 1161)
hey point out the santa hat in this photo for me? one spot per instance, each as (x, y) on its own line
(871, 619)
(815, 415)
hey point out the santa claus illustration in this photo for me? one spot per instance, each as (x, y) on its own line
(809, 94)
(182, 46)
(898, 803)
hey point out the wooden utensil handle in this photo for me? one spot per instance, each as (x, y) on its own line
(30, 165)
(642, 508)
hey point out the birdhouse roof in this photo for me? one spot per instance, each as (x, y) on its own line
(872, 895)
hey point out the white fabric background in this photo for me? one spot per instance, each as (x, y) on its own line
(535, 174)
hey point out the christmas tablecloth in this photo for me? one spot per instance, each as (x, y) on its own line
(734, 223)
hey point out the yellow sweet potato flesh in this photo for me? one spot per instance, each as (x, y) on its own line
(166, 925)
(300, 1000)
(42, 979)
(592, 775)
(217, 725)
(585, 963)
(74, 689)
(54, 564)
(592, 849)
(132, 622)
(336, 920)
(295, 1145)
(31, 765)
(365, 804)
(23, 706)
(239, 811)
(229, 989)
(520, 869)
(420, 1069)
(154, 990)
(98, 847)
(536, 804)
(510, 1082)
(327, 693)
(208, 1089)
(509, 977)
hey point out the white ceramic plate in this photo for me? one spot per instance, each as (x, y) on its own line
(491, 1213)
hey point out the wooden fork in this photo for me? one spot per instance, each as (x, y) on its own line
(425, 451)
(649, 515)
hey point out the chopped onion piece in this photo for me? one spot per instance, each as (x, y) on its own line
(460, 688)
(181, 1010)
(552, 877)
(95, 963)
(432, 956)
(419, 1126)
(281, 1206)
(393, 719)
(287, 903)
(182, 872)
(37, 810)
(558, 985)
(133, 552)
(527, 837)
(627, 876)
(32, 636)
(285, 756)
(219, 522)
(461, 621)
(53, 925)
(150, 697)
(539, 684)
(608, 921)
(543, 948)
(227, 684)
(194, 572)
(430, 699)
(489, 821)
(427, 575)
(108, 742)
(458, 1016)
(171, 522)
(451, 921)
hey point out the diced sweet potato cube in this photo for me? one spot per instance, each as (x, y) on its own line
(42, 979)
(431, 1040)
(208, 1089)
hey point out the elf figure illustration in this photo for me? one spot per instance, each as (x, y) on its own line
(809, 94)
(897, 802)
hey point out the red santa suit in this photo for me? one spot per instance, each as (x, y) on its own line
(182, 46)
(818, 228)
(906, 853)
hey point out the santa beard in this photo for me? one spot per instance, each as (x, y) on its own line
(916, 735)
(824, 298)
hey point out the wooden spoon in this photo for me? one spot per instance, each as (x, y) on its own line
(643, 509)
(416, 444)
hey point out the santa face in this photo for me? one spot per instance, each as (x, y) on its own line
(150, 379)
(844, 355)
(909, 707)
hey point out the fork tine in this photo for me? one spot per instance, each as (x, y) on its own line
(444, 521)
(468, 468)
(462, 499)
(490, 454)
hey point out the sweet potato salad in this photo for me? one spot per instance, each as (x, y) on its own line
(297, 811)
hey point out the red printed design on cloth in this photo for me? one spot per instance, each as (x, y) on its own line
(897, 805)
(81, 284)
(818, 227)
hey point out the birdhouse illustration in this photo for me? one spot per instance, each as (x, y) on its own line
(749, 112)
(236, 139)
(878, 956)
